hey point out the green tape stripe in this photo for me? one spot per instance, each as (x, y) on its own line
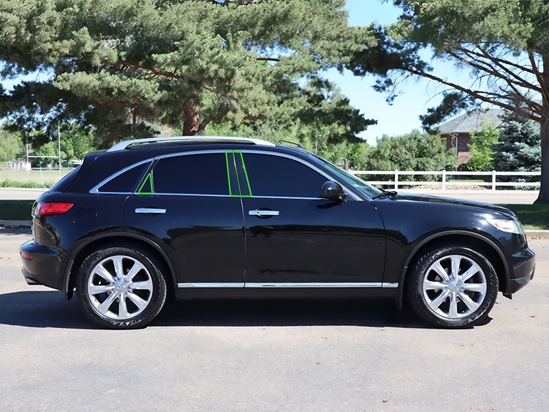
(245, 174)
(149, 178)
(228, 174)
(235, 153)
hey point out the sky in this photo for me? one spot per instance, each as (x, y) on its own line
(416, 96)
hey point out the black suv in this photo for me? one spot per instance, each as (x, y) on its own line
(215, 217)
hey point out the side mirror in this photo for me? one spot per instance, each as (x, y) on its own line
(333, 191)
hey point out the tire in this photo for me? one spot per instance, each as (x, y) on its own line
(120, 288)
(453, 287)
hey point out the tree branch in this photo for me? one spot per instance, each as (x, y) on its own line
(477, 94)
(485, 66)
(156, 72)
(270, 59)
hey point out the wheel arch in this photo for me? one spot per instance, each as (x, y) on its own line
(470, 240)
(118, 239)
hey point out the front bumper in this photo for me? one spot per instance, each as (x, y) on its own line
(523, 267)
(41, 265)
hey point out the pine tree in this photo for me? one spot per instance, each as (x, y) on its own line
(518, 148)
(127, 66)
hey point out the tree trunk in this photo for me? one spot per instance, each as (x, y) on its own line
(191, 124)
(544, 189)
(544, 178)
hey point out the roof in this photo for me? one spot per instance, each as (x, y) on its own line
(471, 122)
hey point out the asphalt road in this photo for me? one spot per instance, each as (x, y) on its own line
(270, 355)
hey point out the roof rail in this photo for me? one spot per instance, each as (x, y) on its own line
(189, 139)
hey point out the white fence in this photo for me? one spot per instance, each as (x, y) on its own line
(446, 182)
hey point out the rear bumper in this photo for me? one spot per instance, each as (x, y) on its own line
(523, 268)
(41, 265)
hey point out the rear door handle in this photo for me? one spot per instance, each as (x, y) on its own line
(146, 210)
(263, 213)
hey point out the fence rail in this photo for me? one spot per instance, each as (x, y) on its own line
(446, 177)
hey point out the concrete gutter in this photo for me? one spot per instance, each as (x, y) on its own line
(531, 234)
(15, 223)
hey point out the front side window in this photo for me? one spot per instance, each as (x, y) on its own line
(278, 176)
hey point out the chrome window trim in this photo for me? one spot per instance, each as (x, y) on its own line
(237, 197)
(298, 285)
(95, 189)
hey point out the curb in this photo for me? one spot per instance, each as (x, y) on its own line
(15, 223)
(530, 234)
(535, 234)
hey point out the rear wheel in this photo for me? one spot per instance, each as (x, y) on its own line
(453, 287)
(120, 288)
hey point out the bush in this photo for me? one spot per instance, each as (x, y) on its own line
(25, 185)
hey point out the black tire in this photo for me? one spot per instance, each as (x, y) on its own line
(451, 301)
(120, 288)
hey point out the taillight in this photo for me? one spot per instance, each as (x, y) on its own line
(26, 255)
(54, 208)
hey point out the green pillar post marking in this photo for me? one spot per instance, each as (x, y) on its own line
(148, 179)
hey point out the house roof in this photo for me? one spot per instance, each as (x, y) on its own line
(471, 122)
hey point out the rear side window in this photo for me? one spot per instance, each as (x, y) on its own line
(125, 182)
(204, 174)
(65, 183)
(278, 176)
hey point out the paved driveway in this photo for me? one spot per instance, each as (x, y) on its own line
(269, 356)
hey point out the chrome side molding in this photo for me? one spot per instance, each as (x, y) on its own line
(256, 285)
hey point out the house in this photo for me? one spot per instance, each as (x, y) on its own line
(457, 132)
(19, 165)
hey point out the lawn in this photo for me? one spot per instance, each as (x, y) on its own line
(15, 209)
(533, 217)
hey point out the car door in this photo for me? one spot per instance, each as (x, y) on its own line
(296, 239)
(184, 205)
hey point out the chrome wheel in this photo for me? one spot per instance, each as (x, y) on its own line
(120, 287)
(454, 287)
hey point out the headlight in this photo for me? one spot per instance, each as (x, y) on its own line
(506, 225)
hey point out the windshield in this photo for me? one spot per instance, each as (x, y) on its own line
(351, 179)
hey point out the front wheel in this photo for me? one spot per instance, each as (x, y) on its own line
(120, 288)
(453, 287)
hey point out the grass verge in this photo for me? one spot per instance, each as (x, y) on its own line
(533, 217)
(25, 185)
(15, 209)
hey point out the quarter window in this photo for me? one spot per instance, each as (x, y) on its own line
(125, 182)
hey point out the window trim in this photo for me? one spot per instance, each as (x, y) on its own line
(154, 160)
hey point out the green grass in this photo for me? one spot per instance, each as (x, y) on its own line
(26, 185)
(533, 217)
(15, 209)
(41, 177)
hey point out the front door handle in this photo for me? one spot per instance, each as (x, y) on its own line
(263, 213)
(147, 210)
